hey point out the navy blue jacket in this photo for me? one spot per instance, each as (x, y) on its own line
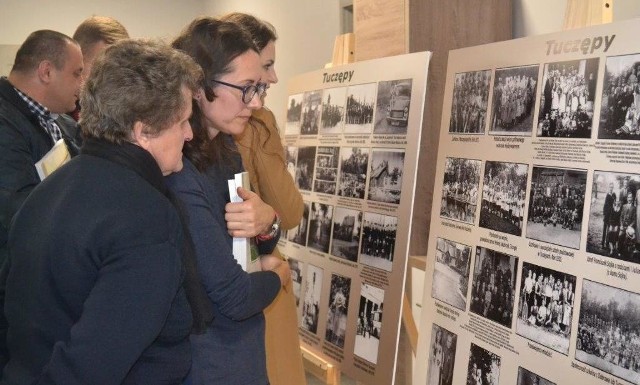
(22, 143)
(232, 350)
(92, 289)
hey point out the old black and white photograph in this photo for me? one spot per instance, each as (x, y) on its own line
(545, 310)
(451, 273)
(514, 98)
(359, 114)
(296, 278)
(614, 215)
(556, 203)
(346, 233)
(291, 157)
(333, 106)
(469, 103)
(311, 302)
(392, 107)
(527, 377)
(460, 189)
(385, 175)
(609, 330)
(442, 356)
(294, 113)
(567, 93)
(369, 323)
(338, 309)
(310, 118)
(484, 367)
(354, 162)
(378, 240)
(503, 196)
(620, 106)
(298, 234)
(326, 170)
(320, 226)
(305, 167)
(493, 285)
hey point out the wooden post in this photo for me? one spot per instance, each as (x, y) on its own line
(320, 368)
(583, 13)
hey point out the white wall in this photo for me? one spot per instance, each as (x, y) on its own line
(537, 17)
(142, 18)
(306, 32)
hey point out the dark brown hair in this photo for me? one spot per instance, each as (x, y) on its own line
(99, 29)
(261, 32)
(40, 46)
(213, 44)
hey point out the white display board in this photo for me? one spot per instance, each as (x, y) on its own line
(352, 140)
(532, 268)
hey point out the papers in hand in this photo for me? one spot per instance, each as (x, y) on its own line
(52, 160)
(244, 249)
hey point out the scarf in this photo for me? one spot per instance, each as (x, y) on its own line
(142, 163)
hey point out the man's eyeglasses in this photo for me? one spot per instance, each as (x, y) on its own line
(248, 91)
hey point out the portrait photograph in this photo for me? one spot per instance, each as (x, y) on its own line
(294, 113)
(545, 310)
(369, 323)
(310, 118)
(354, 162)
(320, 226)
(291, 157)
(326, 170)
(296, 278)
(613, 216)
(338, 309)
(514, 98)
(442, 356)
(378, 240)
(333, 107)
(503, 196)
(469, 103)
(305, 167)
(451, 273)
(359, 109)
(385, 175)
(460, 189)
(311, 302)
(484, 367)
(620, 106)
(347, 224)
(493, 286)
(526, 377)
(608, 330)
(567, 93)
(556, 205)
(392, 107)
(298, 234)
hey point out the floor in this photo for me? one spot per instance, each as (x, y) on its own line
(344, 380)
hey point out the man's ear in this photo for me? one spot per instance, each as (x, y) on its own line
(44, 70)
(139, 136)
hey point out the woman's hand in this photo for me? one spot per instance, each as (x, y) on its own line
(278, 266)
(248, 218)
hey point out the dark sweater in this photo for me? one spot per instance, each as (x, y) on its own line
(232, 350)
(94, 287)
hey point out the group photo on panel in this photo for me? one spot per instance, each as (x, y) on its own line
(154, 130)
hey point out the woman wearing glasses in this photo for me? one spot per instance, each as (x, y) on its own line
(231, 351)
(263, 157)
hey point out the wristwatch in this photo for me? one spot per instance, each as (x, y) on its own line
(275, 228)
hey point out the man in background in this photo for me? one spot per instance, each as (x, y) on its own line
(94, 35)
(44, 82)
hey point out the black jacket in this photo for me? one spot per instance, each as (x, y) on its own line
(22, 143)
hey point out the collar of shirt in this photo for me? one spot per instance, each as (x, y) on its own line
(46, 118)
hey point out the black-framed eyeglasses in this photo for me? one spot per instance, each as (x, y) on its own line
(248, 91)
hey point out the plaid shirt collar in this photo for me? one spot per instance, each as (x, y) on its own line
(45, 117)
(36, 108)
